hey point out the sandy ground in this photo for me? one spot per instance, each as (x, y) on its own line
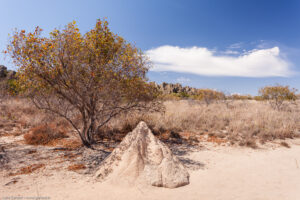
(225, 173)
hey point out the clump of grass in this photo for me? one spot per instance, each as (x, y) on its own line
(217, 140)
(71, 144)
(285, 144)
(251, 143)
(22, 111)
(44, 134)
(76, 167)
(28, 169)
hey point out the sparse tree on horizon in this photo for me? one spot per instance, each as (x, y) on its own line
(276, 95)
(209, 95)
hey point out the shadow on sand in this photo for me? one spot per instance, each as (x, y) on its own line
(182, 150)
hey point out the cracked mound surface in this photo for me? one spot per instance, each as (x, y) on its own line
(142, 158)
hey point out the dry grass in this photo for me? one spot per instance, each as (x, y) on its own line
(250, 142)
(71, 144)
(76, 167)
(23, 112)
(283, 143)
(243, 121)
(44, 135)
(28, 169)
(215, 139)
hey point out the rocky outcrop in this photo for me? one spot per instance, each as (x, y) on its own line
(6, 74)
(142, 159)
(164, 88)
(169, 88)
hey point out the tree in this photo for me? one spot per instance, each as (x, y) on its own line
(208, 95)
(95, 76)
(276, 95)
(241, 97)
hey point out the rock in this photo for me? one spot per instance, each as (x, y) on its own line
(6, 74)
(3, 71)
(142, 158)
(169, 88)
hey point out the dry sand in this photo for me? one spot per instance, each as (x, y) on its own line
(226, 173)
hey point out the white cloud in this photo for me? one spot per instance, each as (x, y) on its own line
(202, 61)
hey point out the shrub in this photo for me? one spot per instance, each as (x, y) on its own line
(209, 96)
(12, 87)
(97, 75)
(276, 95)
(183, 95)
(241, 97)
(175, 96)
(258, 98)
(44, 134)
(171, 96)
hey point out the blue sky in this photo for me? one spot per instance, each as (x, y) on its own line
(229, 45)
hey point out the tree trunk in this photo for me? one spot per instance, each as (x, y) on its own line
(88, 133)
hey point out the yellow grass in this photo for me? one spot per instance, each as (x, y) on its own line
(241, 120)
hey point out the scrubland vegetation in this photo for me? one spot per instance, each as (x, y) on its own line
(75, 97)
(238, 122)
(95, 85)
